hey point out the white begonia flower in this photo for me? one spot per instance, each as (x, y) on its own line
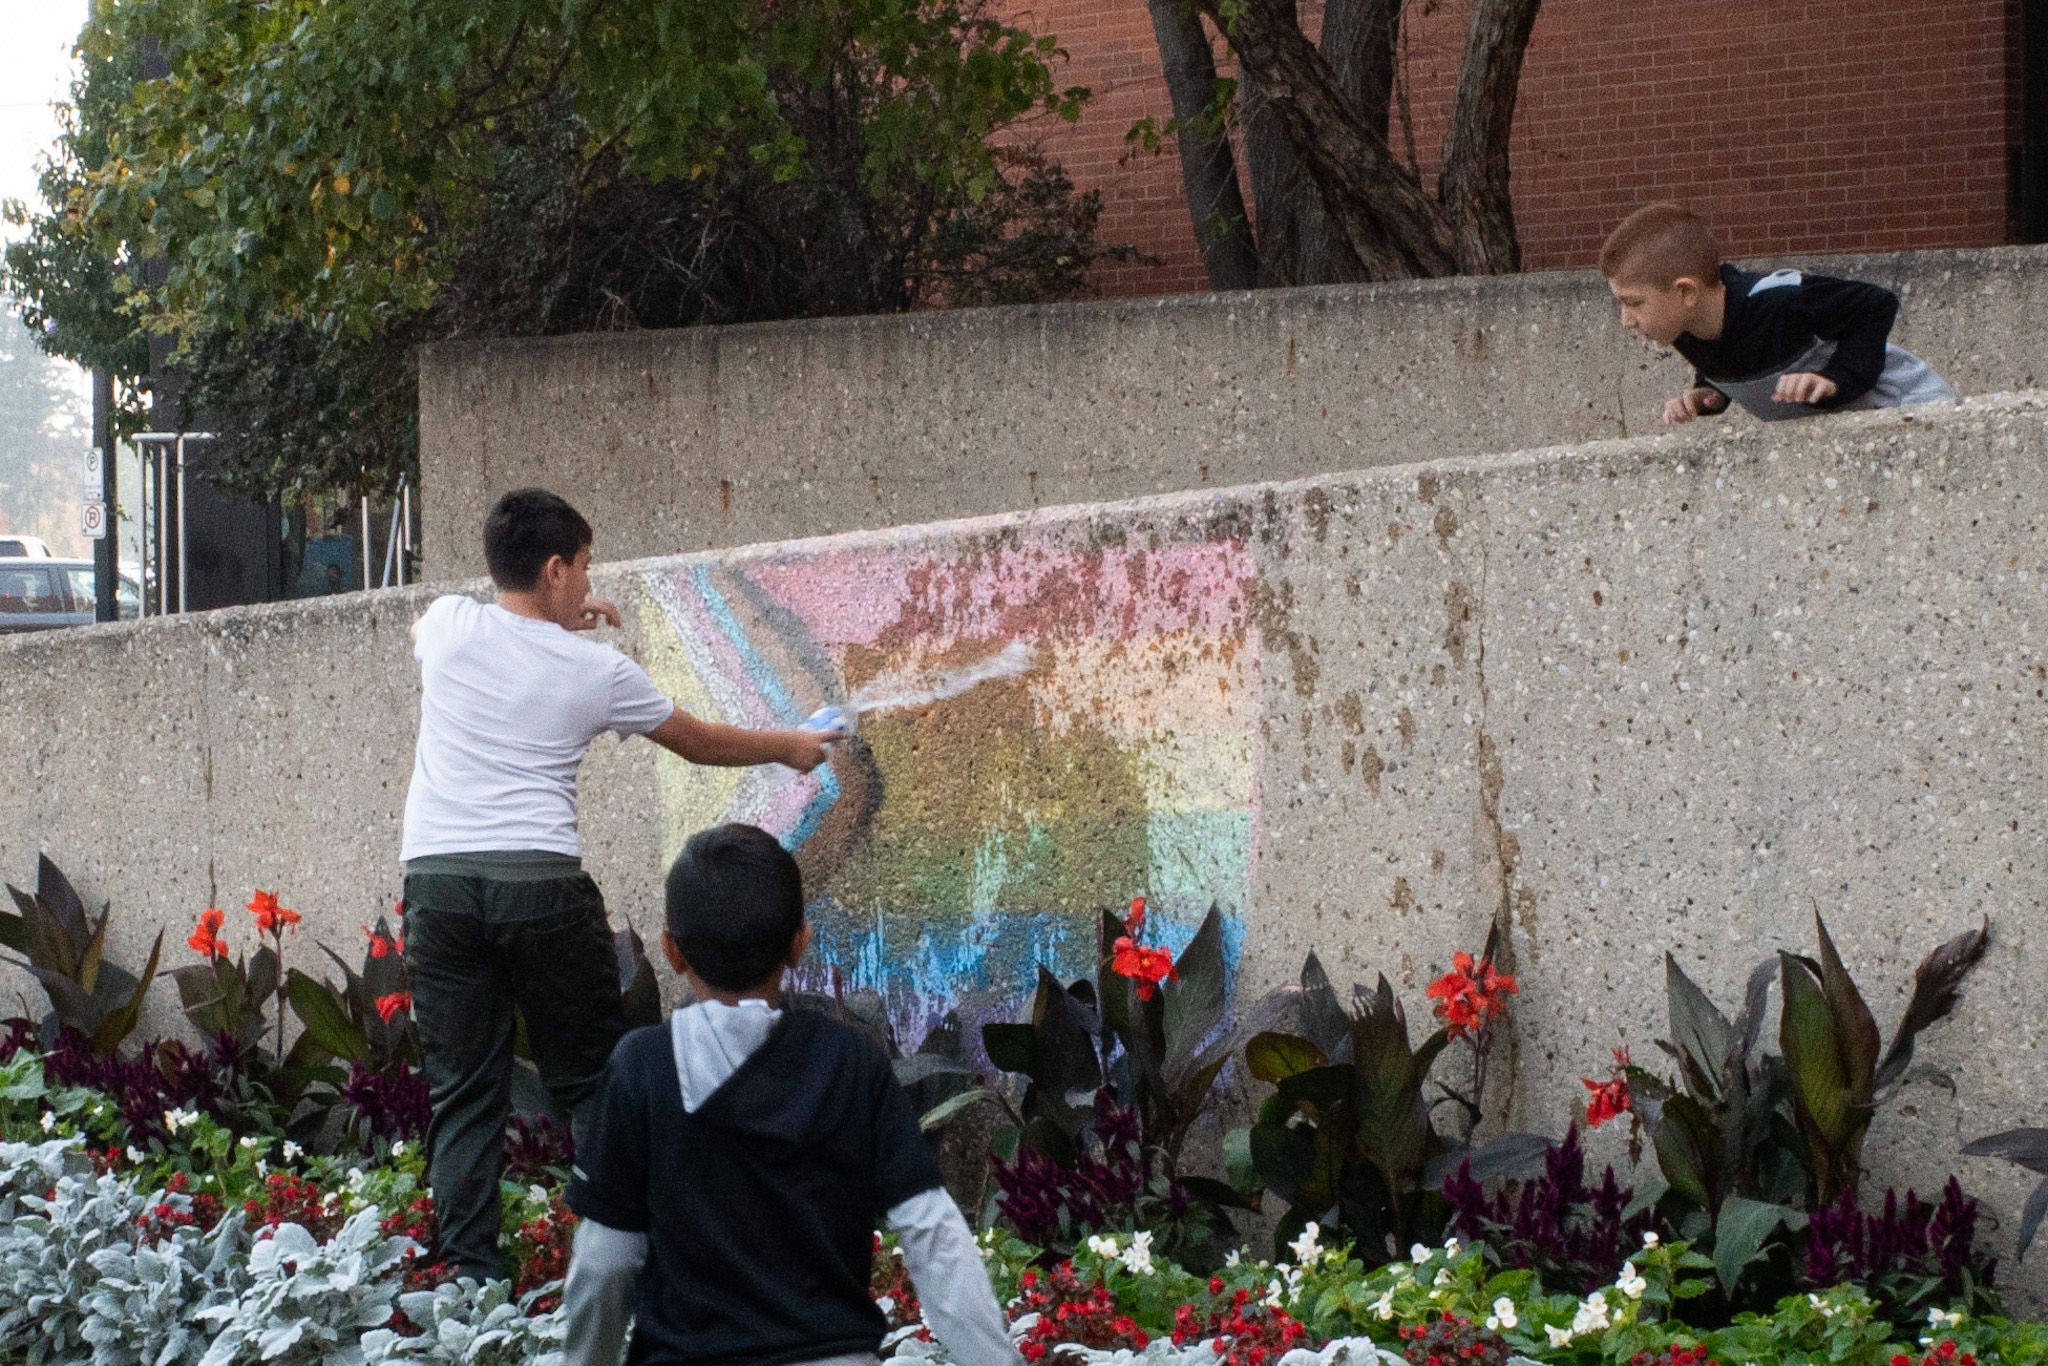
(49, 1121)
(1503, 1315)
(1419, 1254)
(251, 1143)
(1451, 1247)
(1383, 1307)
(1273, 1293)
(1139, 1256)
(292, 1151)
(1558, 1336)
(1650, 1238)
(1631, 1282)
(356, 1178)
(398, 1149)
(175, 1120)
(1104, 1248)
(136, 1154)
(98, 1110)
(1937, 1319)
(262, 1167)
(1443, 1277)
(1592, 1315)
(1307, 1246)
(537, 1194)
(1233, 1257)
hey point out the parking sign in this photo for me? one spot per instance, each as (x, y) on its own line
(93, 520)
(91, 471)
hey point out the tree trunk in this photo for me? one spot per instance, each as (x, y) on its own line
(1395, 230)
(1475, 189)
(1282, 195)
(1223, 231)
(1358, 40)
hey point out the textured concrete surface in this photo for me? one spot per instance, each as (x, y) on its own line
(686, 440)
(1670, 692)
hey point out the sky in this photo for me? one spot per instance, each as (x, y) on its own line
(35, 71)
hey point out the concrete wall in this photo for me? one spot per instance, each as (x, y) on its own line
(684, 440)
(1637, 695)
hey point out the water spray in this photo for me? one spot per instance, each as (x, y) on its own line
(890, 693)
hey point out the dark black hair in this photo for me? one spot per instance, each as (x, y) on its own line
(735, 903)
(526, 528)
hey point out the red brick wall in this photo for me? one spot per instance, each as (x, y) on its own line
(1795, 125)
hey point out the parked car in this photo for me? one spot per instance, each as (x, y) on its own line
(39, 593)
(23, 546)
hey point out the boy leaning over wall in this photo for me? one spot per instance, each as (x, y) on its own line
(1781, 343)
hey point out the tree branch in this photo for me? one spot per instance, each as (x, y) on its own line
(1223, 230)
(1475, 188)
(1395, 230)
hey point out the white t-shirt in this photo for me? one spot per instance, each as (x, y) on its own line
(508, 708)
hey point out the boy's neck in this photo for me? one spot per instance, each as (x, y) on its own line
(769, 991)
(528, 605)
(1710, 314)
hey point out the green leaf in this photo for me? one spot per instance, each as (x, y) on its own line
(1699, 1031)
(941, 1114)
(1855, 1028)
(1688, 1146)
(1740, 1232)
(1937, 987)
(1273, 1057)
(1195, 1004)
(1011, 1047)
(320, 1009)
(120, 1021)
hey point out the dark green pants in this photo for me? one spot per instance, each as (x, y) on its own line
(476, 950)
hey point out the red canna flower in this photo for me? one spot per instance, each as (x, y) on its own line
(1134, 924)
(1146, 966)
(271, 918)
(387, 1006)
(206, 937)
(380, 945)
(1611, 1097)
(1470, 995)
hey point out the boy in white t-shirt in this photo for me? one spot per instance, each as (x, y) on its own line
(500, 915)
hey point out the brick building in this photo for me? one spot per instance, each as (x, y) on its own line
(1795, 125)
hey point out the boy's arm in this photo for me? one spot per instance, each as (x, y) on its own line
(1857, 317)
(608, 1191)
(597, 1303)
(723, 746)
(959, 1304)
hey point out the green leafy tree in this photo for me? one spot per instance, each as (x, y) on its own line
(320, 188)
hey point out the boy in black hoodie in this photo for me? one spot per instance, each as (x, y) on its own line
(744, 1151)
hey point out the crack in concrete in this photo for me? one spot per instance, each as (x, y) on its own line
(1494, 838)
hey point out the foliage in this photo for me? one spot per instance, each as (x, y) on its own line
(1571, 1234)
(1148, 1037)
(1349, 1137)
(65, 951)
(2029, 1149)
(324, 188)
(1746, 1142)
(1910, 1256)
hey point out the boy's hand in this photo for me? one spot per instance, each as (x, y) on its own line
(594, 611)
(1701, 402)
(806, 749)
(1800, 386)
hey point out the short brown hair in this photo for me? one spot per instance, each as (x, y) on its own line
(1659, 244)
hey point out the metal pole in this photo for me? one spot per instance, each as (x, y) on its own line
(405, 505)
(390, 546)
(163, 577)
(366, 540)
(106, 552)
(142, 526)
(181, 523)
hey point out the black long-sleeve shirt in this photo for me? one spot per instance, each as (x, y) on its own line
(1786, 322)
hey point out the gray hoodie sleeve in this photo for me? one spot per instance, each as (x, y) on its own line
(597, 1303)
(959, 1304)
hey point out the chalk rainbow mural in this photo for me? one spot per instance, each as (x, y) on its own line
(957, 845)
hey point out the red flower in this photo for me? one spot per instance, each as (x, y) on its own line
(387, 1006)
(383, 946)
(1611, 1097)
(271, 918)
(399, 909)
(1146, 966)
(206, 937)
(1134, 924)
(1469, 996)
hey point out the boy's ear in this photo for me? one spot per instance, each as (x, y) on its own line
(674, 953)
(799, 946)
